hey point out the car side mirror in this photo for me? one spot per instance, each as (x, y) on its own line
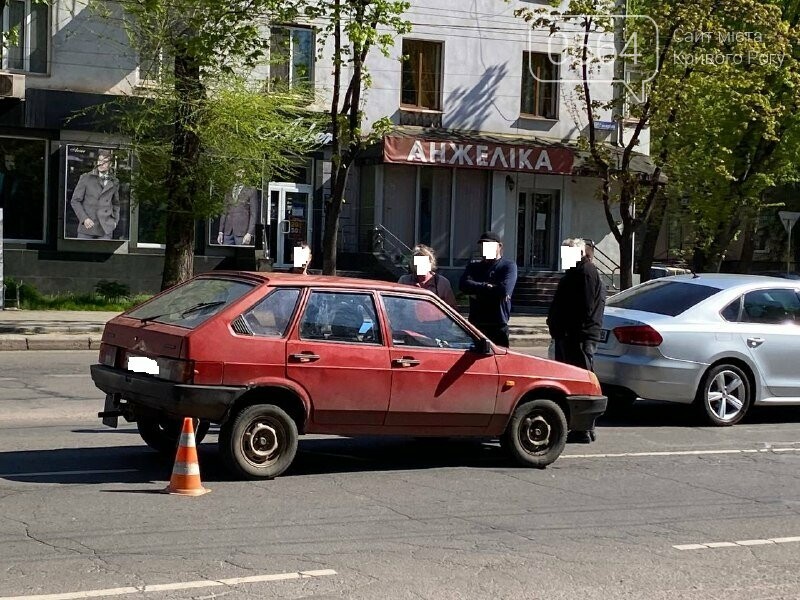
(482, 346)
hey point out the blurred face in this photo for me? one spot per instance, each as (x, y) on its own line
(103, 163)
(490, 250)
(422, 265)
(9, 162)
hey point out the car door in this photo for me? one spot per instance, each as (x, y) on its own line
(338, 355)
(437, 381)
(769, 326)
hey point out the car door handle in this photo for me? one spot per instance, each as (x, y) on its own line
(405, 362)
(754, 342)
(304, 357)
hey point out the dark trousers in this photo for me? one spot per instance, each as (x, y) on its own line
(577, 352)
(498, 333)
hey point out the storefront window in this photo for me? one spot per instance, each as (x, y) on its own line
(400, 194)
(435, 197)
(470, 213)
(152, 228)
(22, 188)
(97, 193)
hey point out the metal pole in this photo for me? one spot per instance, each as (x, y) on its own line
(789, 248)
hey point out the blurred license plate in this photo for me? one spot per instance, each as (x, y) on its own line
(142, 364)
(603, 336)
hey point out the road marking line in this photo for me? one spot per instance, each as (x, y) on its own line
(681, 453)
(186, 585)
(51, 473)
(740, 543)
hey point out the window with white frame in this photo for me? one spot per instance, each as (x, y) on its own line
(26, 35)
(291, 63)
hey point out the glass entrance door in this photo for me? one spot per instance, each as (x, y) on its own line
(537, 230)
(288, 220)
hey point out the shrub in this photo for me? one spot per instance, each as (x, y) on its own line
(112, 290)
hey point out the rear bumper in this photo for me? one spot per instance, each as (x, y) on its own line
(649, 377)
(583, 410)
(181, 400)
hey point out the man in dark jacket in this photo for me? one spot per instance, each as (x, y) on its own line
(575, 318)
(490, 283)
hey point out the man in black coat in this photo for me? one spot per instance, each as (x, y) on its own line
(575, 318)
(490, 283)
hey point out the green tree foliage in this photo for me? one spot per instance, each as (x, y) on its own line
(739, 133)
(205, 117)
(694, 88)
(355, 27)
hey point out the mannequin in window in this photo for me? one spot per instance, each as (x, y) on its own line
(237, 226)
(96, 200)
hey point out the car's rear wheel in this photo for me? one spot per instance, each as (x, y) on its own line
(260, 442)
(724, 395)
(536, 434)
(163, 433)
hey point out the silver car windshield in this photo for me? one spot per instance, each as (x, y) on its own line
(669, 298)
(193, 303)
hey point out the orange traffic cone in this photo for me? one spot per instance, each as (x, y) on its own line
(185, 480)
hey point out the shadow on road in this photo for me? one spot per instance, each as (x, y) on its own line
(646, 413)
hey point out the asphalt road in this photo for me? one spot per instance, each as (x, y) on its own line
(653, 510)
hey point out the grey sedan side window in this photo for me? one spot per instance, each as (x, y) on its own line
(772, 307)
(731, 312)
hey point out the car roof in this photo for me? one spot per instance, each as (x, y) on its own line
(293, 279)
(726, 281)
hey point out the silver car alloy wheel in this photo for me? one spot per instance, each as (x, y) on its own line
(726, 395)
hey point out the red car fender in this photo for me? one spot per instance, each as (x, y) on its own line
(263, 382)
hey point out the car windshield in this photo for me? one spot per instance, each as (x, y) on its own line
(193, 303)
(669, 298)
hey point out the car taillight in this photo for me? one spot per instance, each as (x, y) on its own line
(108, 355)
(638, 335)
(179, 371)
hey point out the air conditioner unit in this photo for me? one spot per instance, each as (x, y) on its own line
(12, 85)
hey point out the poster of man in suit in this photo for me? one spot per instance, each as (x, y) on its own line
(236, 226)
(97, 198)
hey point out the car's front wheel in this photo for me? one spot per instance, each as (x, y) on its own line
(163, 433)
(536, 434)
(724, 395)
(260, 442)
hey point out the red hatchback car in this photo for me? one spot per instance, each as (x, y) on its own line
(272, 356)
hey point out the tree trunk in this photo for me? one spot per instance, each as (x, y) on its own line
(334, 209)
(626, 259)
(651, 233)
(748, 246)
(181, 187)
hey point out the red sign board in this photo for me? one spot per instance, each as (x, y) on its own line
(478, 155)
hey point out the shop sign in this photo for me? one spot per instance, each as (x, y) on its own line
(478, 155)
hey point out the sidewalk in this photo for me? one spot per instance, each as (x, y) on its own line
(82, 330)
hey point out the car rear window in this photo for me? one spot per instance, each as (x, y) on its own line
(193, 303)
(669, 298)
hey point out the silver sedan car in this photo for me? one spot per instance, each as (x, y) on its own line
(723, 342)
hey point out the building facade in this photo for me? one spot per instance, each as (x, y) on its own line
(485, 130)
